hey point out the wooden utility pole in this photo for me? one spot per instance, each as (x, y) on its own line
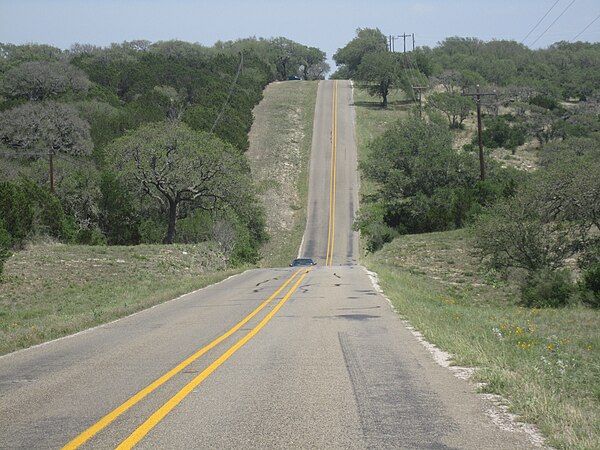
(404, 36)
(477, 95)
(420, 90)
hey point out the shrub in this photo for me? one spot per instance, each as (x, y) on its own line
(152, 230)
(547, 288)
(371, 224)
(4, 246)
(17, 211)
(591, 284)
(544, 102)
(49, 215)
(118, 218)
(500, 133)
(90, 236)
(379, 234)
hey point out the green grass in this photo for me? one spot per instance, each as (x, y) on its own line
(52, 290)
(546, 363)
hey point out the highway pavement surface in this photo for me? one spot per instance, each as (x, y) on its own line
(310, 357)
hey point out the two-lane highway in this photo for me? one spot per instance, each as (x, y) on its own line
(272, 358)
(333, 188)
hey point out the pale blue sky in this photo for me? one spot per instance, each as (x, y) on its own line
(325, 24)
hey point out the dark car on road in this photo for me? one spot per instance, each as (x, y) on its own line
(302, 262)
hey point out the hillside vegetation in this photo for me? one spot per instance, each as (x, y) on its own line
(502, 272)
(149, 145)
(139, 142)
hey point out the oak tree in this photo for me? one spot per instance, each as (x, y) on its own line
(181, 169)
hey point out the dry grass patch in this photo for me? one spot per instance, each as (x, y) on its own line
(280, 142)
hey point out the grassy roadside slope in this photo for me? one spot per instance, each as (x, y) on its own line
(546, 363)
(53, 290)
(280, 142)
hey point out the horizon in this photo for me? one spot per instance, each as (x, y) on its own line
(326, 25)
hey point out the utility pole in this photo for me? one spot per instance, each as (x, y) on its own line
(477, 95)
(404, 36)
(420, 90)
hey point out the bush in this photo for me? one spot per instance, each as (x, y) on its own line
(197, 227)
(371, 224)
(379, 234)
(591, 285)
(48, 216)
(17, 211)
(500, 133)
(118, 219)
(152, 230)
(4, 246)
(544, 102)
(547, 289)
(90, 236)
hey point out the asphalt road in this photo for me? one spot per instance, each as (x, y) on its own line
(272, 358)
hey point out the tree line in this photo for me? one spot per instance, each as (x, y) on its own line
(147, 141)
(541, 226)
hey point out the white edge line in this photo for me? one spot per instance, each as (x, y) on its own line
(301, 247)
(496, 409)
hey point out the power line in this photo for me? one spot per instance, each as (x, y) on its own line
(555, 20)
(583, 31)
(21, 154)
(230, 92)
(540, 21)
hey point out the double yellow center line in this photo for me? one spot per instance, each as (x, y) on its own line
(155, 418)
(332, 179)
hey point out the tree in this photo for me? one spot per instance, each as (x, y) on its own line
(383, 71)
(422, 184)
(47, 126)
(519, 233)
(367, 40)
(287, 59)
(181, 169)
(313, 65)
(547, 221)
(455, 107)
(12, 55)
(41, 80)
(456, 81)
